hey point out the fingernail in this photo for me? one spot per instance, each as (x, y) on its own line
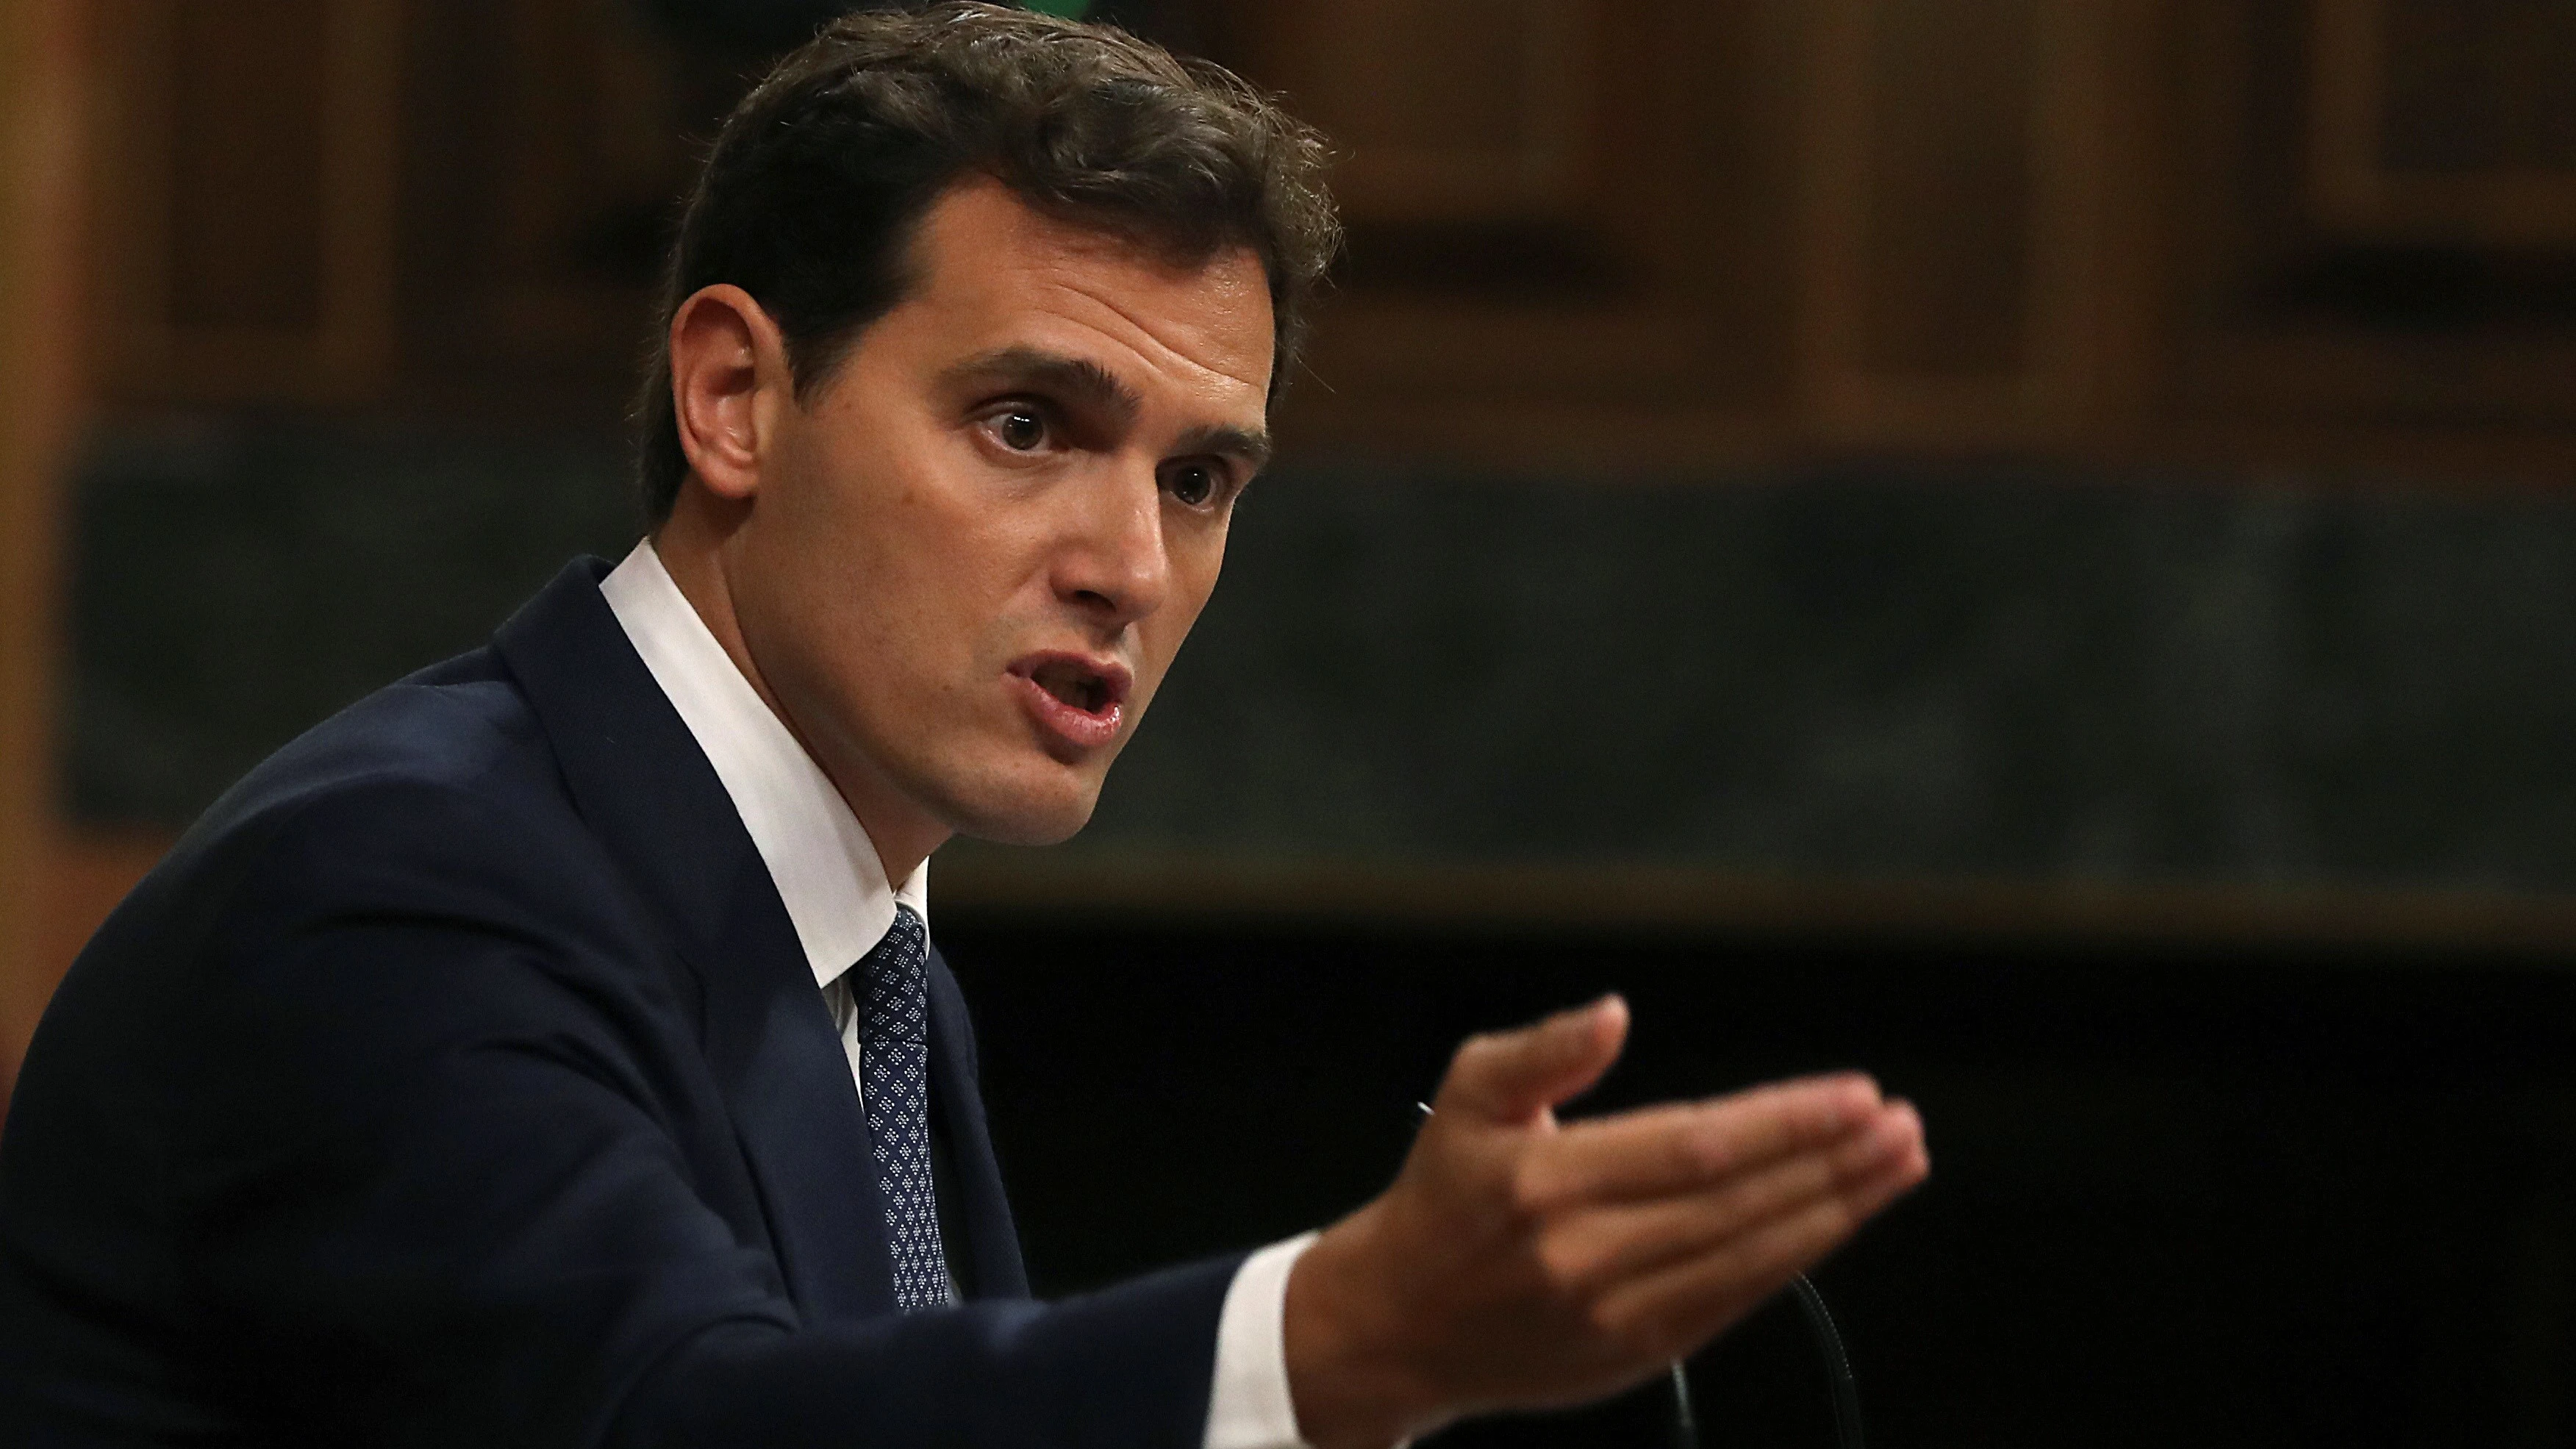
(1589, 1018)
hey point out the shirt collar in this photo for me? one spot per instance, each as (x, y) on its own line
(826, 869)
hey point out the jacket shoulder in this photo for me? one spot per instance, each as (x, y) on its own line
(463, 724)
(438, 797)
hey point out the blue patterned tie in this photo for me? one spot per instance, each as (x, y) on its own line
(894, 1055)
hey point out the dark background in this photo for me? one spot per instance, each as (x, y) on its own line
(2023, 545)
(2244, 1200)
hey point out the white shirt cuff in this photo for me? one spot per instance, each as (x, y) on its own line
(1248, 1405)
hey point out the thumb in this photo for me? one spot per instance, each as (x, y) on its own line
(1512, 1076)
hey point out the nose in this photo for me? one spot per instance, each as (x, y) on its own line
(1114, 565)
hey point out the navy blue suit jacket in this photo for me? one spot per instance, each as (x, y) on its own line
(459, 1080)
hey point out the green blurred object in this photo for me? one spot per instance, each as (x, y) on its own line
(1069, 9)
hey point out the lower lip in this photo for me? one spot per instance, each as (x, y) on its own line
(1080, 728)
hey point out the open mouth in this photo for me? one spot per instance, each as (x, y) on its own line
(1076, 701)
(1076, 684)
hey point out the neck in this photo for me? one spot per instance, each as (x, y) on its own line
(694, 546)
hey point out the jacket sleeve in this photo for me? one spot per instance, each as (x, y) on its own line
(439, 1188)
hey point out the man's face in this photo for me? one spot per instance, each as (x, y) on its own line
(975, 550)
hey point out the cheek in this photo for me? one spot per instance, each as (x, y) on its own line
(833, 573)
(1194, 572)
(963, 584)
(1195, 567)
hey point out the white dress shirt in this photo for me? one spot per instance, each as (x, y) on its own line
(835, 889)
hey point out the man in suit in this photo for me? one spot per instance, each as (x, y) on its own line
(548, 1050)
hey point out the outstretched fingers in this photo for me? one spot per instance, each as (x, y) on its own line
(1671, 1311)
(1663, 1151)
(1591, 1250)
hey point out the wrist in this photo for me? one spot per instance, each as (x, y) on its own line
(1353, 1378)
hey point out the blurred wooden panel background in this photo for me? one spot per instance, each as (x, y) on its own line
(2372, 228)
(1501, 126)
(246, 177)
(2446, 120)
(1960, 158)
(1592, 237)
(1651, 233)
(43, 94)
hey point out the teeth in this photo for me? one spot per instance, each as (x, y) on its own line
(1072, 684)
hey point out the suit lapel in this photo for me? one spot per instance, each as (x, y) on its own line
(993, 1239)
(647, 790)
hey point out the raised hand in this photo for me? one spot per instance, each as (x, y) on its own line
(1520, 1263)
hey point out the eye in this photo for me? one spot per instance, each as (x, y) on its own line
(1192, 484)
(1020, 429)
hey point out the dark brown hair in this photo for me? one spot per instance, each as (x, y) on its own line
(819, 179)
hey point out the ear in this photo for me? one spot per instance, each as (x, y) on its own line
(728, 375)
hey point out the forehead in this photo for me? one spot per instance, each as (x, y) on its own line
(993, 272)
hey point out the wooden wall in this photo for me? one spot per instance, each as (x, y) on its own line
(1655, 232)
(2087, 227)
(1587, 237)
(41, 131)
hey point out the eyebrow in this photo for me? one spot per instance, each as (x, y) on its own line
(1250, 447)
(1096, 388)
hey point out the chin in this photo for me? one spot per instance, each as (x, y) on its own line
(1046, 810)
